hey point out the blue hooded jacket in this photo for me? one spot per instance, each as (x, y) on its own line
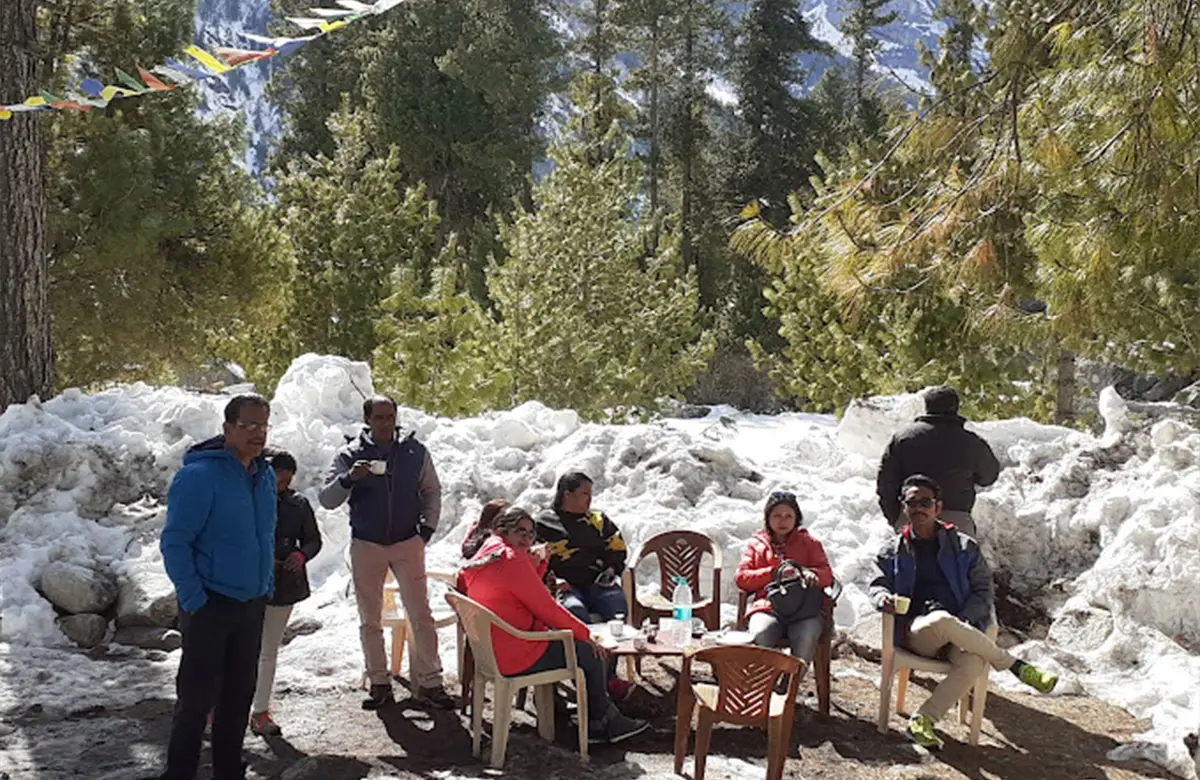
(220, 529)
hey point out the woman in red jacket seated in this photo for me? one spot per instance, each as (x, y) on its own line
(781, 540)
(504, 577)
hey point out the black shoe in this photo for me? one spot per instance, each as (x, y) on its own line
(380, 696)
(781, 685)
(438, 697)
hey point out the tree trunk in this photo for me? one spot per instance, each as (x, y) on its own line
(1064, 389)
(26, 356)
(654, 145)
(688, 151)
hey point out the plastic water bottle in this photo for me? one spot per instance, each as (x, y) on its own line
(681, 602)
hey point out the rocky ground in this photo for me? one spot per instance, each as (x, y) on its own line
(329, 737)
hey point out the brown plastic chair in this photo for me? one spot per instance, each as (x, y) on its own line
(478, 622)
(823, 658)
(395, 619)
(679, 554)
(901, 661)
(744, 695)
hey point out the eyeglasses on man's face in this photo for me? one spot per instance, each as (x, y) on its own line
(253, 426)
(923, 503)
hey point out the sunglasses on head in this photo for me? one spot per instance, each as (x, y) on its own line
(783, 495)
(924, 503)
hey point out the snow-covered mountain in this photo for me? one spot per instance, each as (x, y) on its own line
(221, 22)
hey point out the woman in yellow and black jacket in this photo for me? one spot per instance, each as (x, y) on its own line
(586, 551)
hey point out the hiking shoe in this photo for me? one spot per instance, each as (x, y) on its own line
(262, 725)
(615, 728)
(920, 731)
(781, 685)
(620, 690)
(379, 696)
(438, 697)
(1040, 680)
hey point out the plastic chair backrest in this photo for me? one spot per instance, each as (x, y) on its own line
(679, 554)
(746, 678)
(477, 621)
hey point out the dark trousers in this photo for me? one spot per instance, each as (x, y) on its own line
(594, 674)
(217, 674)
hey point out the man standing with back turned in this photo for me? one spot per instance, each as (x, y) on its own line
(938, 446)
(218, 546)
(395, 503)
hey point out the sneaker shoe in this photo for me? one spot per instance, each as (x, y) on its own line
(1040, 680)
(379, 696)
(262, 725)
(781, 685)
(620, 690)
(920, 731)
(438, 697)
(615, 728)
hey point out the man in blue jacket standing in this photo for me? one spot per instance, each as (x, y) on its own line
(949, 586)
(395, 504)
(218, 546)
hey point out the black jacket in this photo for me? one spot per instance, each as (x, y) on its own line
(295, 529)
(937, 446)
(581, 546)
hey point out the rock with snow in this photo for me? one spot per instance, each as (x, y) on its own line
(868, 424)
(85, 630)
(146, 597)
(77, 589)
(302, 626)
(149, 637)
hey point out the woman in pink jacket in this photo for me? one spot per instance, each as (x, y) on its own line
(506, 577)
(782, 540)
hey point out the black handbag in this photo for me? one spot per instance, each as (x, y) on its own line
(790, 599)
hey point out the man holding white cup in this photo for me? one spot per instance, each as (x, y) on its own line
(395, 504)
(934, 578)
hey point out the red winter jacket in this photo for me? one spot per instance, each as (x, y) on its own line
(506, 581)
(759, 562)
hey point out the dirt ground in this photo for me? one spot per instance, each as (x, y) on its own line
(329, 737)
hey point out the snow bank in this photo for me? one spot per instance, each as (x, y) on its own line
(1104, 531)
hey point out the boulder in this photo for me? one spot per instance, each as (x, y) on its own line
(301, 627)
(146, 598)
(77, 589)
(149, 637)
(86, 630)
(865, 639)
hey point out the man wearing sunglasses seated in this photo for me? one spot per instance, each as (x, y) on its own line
(949, 586)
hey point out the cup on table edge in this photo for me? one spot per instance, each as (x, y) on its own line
(900, 604)
(616, 627)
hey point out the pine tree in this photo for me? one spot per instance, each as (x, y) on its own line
(439, 349)
(352, 223)
(862, 18)
(588, 320)
(160, 257)
(26, 357)
(778, 131)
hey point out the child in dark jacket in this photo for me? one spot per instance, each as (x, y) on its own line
(297, 541)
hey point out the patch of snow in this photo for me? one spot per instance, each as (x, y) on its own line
(1104, 531)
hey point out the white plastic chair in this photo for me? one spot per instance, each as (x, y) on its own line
(478, 621)
(897, 660)
(396, 621)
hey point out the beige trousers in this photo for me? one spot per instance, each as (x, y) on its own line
(970, 650)
(274, 622)
(369, 563)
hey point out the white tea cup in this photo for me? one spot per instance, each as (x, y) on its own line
(379, 467)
